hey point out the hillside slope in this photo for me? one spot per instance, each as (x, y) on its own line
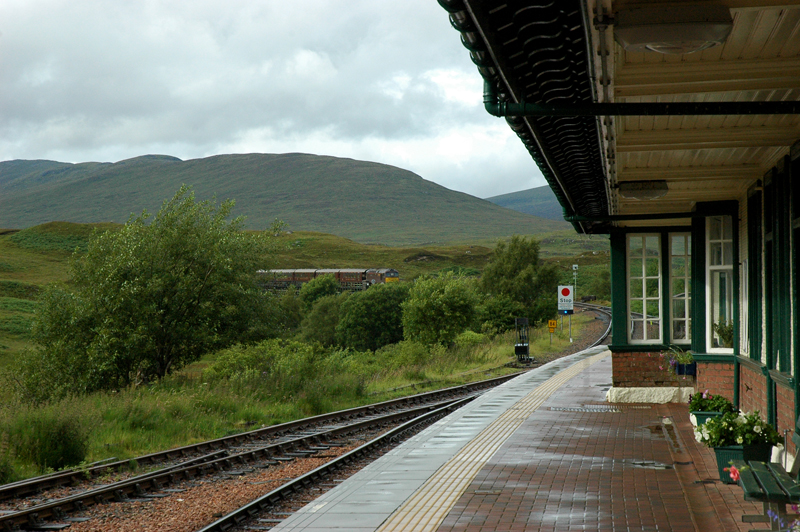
(366, 202)
(538, 201)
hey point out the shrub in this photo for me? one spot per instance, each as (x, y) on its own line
(469, 338)
(7, 473)
(319, 325)
(150, 298)
(52, 437)
(516, 272)
(438, 309)
(373, 318)
(318, 287)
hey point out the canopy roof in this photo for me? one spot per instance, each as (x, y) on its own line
(564, 53)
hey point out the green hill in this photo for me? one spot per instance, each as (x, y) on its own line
(538, 201)
(363, 201)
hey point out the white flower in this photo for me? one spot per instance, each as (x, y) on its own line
(739, 440)
(757, 429)
(698, 436)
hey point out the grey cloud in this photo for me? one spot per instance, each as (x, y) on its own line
(112, 78)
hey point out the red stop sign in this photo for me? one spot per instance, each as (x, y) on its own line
(565, 292)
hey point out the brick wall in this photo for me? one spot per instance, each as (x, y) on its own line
(644, 369)
(715, 377)
(752, 390)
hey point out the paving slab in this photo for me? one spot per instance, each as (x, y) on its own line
(543, 452)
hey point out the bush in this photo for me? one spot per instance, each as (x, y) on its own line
(438, 309)
(53, 437)
(318, 287)
(321, 322)
(150, 298)
(7, 473)
(469, 338)
(373, 318)
(516, 272)
(499, 313)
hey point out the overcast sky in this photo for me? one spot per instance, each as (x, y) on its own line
(378, 80)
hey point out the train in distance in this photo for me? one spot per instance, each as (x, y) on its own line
(351, 279)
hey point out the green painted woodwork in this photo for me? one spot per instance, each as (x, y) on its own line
(619, 289)
(755, 268)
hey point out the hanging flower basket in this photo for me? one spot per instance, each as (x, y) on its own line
(761, 452)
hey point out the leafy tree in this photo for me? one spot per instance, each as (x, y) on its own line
(150, 298)
(498, 314)
(516, 272)
(324, 285)
(320, 323)
(373, 318)
(438, 309)
(290, 310)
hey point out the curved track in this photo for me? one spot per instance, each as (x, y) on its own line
(240, 454)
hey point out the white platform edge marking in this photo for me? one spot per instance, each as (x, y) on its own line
(427, 508)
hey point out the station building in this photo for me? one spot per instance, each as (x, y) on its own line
(673, 127)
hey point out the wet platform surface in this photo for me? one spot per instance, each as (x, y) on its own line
(543, 452)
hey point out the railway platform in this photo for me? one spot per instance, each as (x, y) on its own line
(543, 452)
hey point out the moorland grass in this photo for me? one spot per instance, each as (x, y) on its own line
(201, 404)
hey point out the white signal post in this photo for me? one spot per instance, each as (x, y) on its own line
(566, 305)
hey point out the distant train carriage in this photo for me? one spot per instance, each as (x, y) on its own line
(382, 275)
(350, 279)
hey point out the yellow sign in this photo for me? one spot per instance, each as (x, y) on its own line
(552, 324)
(552, 329)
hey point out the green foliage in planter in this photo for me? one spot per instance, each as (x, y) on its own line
(706, 402)
(737, 429)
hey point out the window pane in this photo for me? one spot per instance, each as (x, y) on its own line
(679, 330)
(715, 254)
(715, 228)
(678, 288)
(651, 267)
(727, 227)
(678, 266)
(653, 309)
(678, 245)
(652, 287)
(651, 242)
(637, 307)
(653, 330)
(637, 330)
(637, 267)
(721, 302)
(635, 245)
(637, 290)
(727, 252)
(678, 309)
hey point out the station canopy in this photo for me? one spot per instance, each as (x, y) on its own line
(639, 108)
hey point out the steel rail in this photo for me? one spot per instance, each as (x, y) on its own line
(270, 499)
(139, 486)
(602, 310)
(37, 484)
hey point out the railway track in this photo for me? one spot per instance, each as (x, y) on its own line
(50, 502)
(308, 457)
(275, 506)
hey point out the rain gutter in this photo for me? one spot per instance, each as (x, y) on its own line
(524, 109)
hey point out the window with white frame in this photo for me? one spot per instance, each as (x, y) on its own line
(644, 288)
(719, 288)
(680, 282)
